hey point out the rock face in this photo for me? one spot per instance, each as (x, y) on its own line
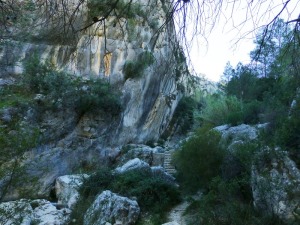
(102, 51)
(41, 167)
(276, 185)
(109, 208)
(26, 212)
(66, 189)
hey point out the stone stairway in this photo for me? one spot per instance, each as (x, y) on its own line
(169, 168)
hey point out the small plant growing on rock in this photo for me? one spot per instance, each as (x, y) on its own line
(137, 68)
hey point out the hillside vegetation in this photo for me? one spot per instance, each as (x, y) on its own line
(266, 91)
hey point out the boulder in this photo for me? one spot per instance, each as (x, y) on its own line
(275, 182)
(113, 209)
(45, 213)
(152, 156)
(236, 135)
(171, 223)
(133, 165)
(27, 212)
(160, 172)
(233, 139)
(66, 189)
(15, 212)
(137, 164)
(133, 151)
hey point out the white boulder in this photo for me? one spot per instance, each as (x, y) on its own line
(66, 188)
(27, 212)
(15, 212)
(110, 208)
(132, 165)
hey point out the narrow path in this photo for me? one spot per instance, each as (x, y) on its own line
(176, 214)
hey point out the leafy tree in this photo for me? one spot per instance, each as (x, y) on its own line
(228, 73)
(199, 160)
(268, 44)
(243, 83)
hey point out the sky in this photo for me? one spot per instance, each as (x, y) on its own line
(209, 58)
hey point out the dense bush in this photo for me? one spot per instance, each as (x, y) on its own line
(199, 160)
(287, 133)
(136, 69)
(184, 113)
(219, 109)
(183, 118)
(225, 200)
(225, 204)
(124, 9)
(97, 95)
(153, 194)
(63, 90)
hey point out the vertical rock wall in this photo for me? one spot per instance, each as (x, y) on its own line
(103, 49)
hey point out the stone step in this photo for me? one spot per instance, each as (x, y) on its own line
(169, 168)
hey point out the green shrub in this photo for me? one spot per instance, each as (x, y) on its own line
(40, 78)
(63, 90)
(224, 205)
(14, 95)
(184, 113)
(97, 95)
(220, 110)
(130, 70)
(124, 9)
(199, 160)
(137, 68)
(183, 118)
(154, 195)
(252, 111)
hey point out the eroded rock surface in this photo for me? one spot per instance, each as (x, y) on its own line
(27, 212)
(112, 208)
(275, 182)
(66, 189)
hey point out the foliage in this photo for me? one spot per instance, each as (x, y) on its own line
(242, 84)
(225, 204)
(97, 95)
(287, 132)
(219, 109)
(104, 7)
(43, 79)
(228, 200)
(268, 46)
(14, 95)
(15, 140)
(62, 89)
(199, 160)
(183, 118)
(137, 68)
(267, 87)
(153, 194)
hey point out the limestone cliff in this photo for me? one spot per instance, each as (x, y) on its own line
(136, 52)
(102, 50)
